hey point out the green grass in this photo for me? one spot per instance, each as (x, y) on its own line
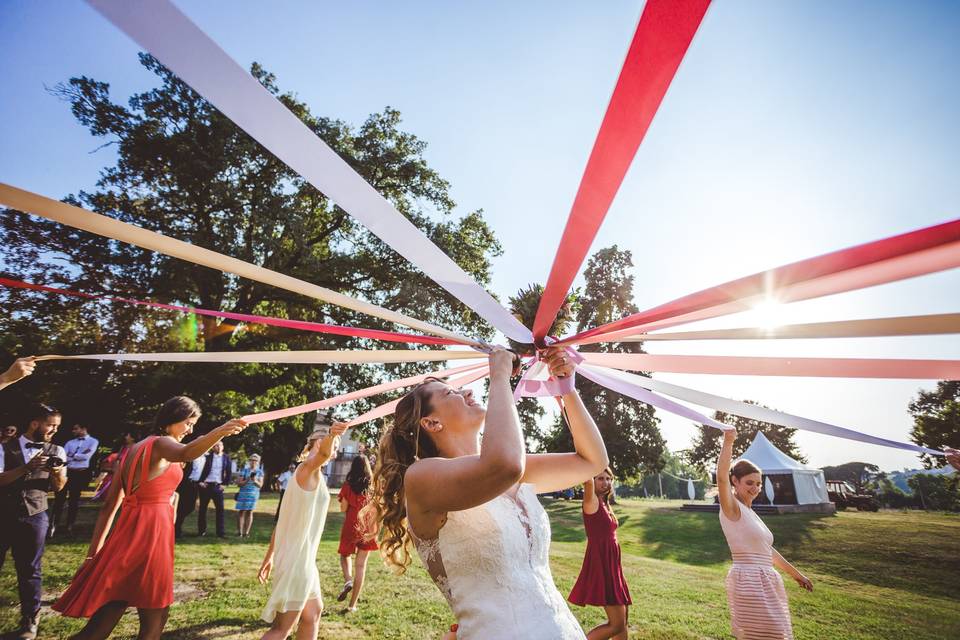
(877, 575)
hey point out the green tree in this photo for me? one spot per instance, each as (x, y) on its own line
(706, 444)
(936, 420)
(936, 492)
(629, 427)
(185, 170)
(858, 474)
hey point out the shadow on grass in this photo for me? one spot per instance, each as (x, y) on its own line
(696, 538)
(214, 629)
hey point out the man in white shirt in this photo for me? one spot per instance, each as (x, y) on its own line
(30, 466)
(216, 472)
(189, 491)
(80, 451)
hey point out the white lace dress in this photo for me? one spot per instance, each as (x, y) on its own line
(492, 564)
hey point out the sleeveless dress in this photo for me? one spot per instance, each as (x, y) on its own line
(249, 493)
(355, 535)
(601, 580)
(491, 563)
(135, 564)
(296, 580)
(755, 593)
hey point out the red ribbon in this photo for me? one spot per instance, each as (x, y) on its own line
(663, 35)
(302, 325)
(910, 254)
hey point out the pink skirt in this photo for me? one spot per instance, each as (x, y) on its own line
(758, 603)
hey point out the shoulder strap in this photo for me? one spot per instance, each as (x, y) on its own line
(141, 457)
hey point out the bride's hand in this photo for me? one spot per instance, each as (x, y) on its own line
(560, 364)
(502, 362)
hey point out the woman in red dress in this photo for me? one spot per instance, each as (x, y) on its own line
(133, 567)
(356, 536)
(601, 582)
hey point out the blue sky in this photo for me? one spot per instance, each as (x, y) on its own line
(792, 129)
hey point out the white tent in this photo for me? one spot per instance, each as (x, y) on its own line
(808, 484)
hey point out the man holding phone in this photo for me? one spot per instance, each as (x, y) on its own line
(30, 466)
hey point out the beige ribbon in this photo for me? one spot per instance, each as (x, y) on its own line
(942, 323)
(109, 228)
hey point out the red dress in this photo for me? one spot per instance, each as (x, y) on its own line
(601, 581)
(354, 535)
(135, 564)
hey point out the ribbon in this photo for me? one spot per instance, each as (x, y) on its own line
(164, 31)
(662, 37)
(355, 395)
(767, 366)
(942, 323)
(755, 412)
(334, 329)
(916, 253)
(372, 356)
(115, 229)
(537, 382)
(635, 391)
(389, 407)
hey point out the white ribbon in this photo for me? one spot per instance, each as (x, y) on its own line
(164, 31)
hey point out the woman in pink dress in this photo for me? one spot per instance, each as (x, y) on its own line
(133, 567)
(755, 593)
(601, 582)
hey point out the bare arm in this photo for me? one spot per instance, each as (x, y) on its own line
(435, 486)
(106, 515)
(171, 450)
(727, 502)
(555, 471)
(343, 503)
(590, 501)
(781, 563)
(267, 565)
(21, 368)
(58, 478)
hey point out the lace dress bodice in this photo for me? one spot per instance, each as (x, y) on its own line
(491, 563)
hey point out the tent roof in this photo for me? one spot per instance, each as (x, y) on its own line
(762, 453)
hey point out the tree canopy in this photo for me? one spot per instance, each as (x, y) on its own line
(706, 444)
(936, 420)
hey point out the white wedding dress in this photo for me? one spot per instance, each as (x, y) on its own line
(491, 563)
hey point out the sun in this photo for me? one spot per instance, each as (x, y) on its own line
(768, 314)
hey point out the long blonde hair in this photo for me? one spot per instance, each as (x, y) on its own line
(402, 444)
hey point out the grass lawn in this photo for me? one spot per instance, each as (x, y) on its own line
(890, 575)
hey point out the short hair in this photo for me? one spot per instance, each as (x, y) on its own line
(40, 411)
(744, 467)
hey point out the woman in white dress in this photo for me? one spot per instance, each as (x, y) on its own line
(472, 511)
(292, 554)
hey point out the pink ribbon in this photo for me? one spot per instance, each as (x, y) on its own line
(357, 395)
(537, 383)
(301, 325)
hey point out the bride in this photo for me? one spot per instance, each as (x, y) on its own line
(472, 511)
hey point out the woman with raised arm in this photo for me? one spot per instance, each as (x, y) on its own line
(133, 566)
(472, 511)
(292, 554)
(755, 593)
(601, 582)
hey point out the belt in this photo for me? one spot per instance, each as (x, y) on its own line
(753, 558)
(135, 500)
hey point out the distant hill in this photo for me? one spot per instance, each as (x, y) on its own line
(899, 478)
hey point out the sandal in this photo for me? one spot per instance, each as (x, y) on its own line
(347, 588)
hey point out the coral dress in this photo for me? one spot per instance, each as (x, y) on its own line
(135, 564)
(354, 534)
(601, 582)
(755, 593)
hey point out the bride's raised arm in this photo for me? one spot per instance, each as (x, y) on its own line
(556, 471)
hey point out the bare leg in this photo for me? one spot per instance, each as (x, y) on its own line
(359, 572)
(615, 627)
(309, 625)
(152, 622)
(101, 624)
(239, 524)
(345, 568)
(282, 626)
(249, 523)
